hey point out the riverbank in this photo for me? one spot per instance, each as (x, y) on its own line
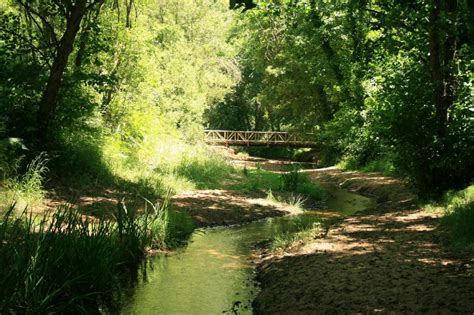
(387, 259)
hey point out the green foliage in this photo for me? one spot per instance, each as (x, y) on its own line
(132, 95)
(290, 180)
(204, 170)
(66, 262)
(383, 165)
(258, 180)
(296, 66)
(265, 181)
(386, 81)
(26, 189)
(175, 167)
(306, 187)
(299, 230)
(459, 218)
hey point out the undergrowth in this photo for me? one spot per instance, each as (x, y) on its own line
(25, 188)
(294, 181)
(382, 165)
(169, 165)
(66, 262)
(458, 219)
(298, 230)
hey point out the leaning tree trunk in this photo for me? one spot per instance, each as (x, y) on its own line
(49, 99)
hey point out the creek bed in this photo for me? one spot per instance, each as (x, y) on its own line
(213, 274)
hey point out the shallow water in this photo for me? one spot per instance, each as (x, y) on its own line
(213, 275)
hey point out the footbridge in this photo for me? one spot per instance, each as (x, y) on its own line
(259, 138)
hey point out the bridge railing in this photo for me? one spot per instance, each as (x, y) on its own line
(232, 137)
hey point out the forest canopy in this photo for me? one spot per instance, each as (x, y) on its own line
(388, 81)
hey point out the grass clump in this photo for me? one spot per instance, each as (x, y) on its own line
(26, 188)
(205, 171)
(458, 218)
(383, 165)
(299, 230)
(291, 180)
(294, 181)
(66, 262)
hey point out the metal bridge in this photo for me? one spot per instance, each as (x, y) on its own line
(259, 138)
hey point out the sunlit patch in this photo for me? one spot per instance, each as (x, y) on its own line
(220, 255)
(420, 228)
(235, 265)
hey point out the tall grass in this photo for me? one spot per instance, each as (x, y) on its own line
(459, 218)
(167, 165)
(293, 181)
(298, 230)
(383, 165)
(290, 180)
(68, 263)
(27, 188)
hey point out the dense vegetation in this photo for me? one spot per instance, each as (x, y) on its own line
(114, 95)
(383, 81)
(125, 108)
(101, 96)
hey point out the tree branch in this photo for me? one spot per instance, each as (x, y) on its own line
(32, 46)
(42, 18)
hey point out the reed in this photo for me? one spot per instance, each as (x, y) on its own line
(66, 262)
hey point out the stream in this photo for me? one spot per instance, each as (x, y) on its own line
(213, 274)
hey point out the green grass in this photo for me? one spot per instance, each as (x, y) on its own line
(299, 230)
(458, 220)
(382, 165)
(67, 263)
(295, 181)
(178, 167)
(206, 171)
(26, 189)
(257, 180)
(148, 168)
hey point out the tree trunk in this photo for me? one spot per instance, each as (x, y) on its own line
(442, 55)
(128, 19)
(50, 96)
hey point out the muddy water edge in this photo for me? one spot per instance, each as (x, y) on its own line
(214, 274)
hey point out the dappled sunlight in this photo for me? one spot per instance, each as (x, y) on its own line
(111, 109)
(220, 255)
(235, 266)
(371, 262)
(224, 207)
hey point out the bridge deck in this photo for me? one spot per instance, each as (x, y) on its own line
(259, 138)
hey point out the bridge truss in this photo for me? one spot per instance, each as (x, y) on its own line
(259, 138)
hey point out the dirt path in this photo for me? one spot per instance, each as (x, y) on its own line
(387, 260)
